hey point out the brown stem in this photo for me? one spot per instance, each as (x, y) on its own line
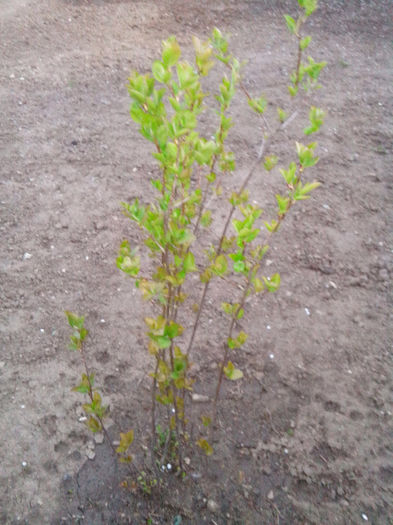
(226, 350)
(211, 169)
(219, 250)
(174, 392)
(299, 61)
(300, 51)
(153, 415)
(100, 419)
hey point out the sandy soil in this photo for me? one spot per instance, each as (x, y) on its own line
(307, 436)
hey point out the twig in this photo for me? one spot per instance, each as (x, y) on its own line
(262, 150)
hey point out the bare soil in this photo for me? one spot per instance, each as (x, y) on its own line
(306, 437)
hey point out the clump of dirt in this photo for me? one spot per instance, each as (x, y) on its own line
(305, 438)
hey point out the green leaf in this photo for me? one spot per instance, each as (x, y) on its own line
(272, 283)
(238, 341)
(290, 174)
(189, 263)
(206, 218)
(173, 330)
(259, 251)
(240, 313)
(309, 6)
(231, 372)
(93, 424)
(206, 275)
(74, 321)
(242, 337)
(281, 115)
(258, 104)
(204, 445)
(305, 42)
(270, 162)
(179, 365)
(293, 90)
(211, 177)
(228, 309)
(258, 285)
(206, 421)
(160, 73)
(309, 186)
(231, 343)
(291, 23)
(163, 341)
(313, 69)
(156, 325)
(127, 261)
(126, 440)
(85, 385)
(126, 459)
(219, 42)
(239, 266)
(170, 51)
(220, 265)
(306, 154)
(271, 227)
(283, 204)
(302, 191)
(316, 116)
(203, 54)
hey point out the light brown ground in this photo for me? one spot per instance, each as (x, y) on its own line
(70, 153)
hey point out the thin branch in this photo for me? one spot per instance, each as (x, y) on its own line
(262, 150)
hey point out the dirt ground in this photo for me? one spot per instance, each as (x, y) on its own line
(306, 437)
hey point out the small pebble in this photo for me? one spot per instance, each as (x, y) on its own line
(268, 327)
(102, 321)
(271, 356)
(365, 517)
(99, 438)
(307, 311)
(212, 506)
(200, 398)
(42, 330)
(87, 257)
(24, 464)
(270, 495)
(169, 467)
(27, 256)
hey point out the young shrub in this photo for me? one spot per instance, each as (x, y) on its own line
(166, 105)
